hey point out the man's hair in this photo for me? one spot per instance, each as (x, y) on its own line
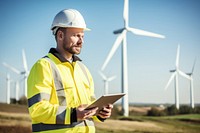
(61, 29)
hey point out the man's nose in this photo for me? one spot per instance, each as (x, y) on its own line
(81, 40)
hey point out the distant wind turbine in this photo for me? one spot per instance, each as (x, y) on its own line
(8, 82)
(122, 39)
(191, 85)
(24, 72)
(174, 76)
(106, 80)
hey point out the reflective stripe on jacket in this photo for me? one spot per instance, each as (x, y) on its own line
(53, 109)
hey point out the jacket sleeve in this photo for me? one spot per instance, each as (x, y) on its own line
(42, 99)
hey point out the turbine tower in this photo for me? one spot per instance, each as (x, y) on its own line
(122, 39)
(17, 91)
(24, 72)
(8, 80)
(106, 80)
(175, 72)
(191, 85)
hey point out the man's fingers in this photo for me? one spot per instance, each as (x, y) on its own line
(110, 106)
(106, 111)
(103, 114)
(90, 113)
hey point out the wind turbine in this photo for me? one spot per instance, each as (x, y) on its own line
(8, 84)
(8, 81)
(106, 80)
(191, 86)
(174, 76)
(122, 39)
(24, 72)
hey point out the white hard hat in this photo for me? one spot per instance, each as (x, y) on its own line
(68, 18)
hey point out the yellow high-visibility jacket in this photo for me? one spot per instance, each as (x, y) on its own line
(54, 109)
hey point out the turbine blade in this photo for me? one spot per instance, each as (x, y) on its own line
(170, 80)
(24, 61)
(193, 66)
(111, 78)
(114, 48)
(177, 56)
(11, 68)
(184, 75)
(125, 13)
(144, 33)
(102, 75)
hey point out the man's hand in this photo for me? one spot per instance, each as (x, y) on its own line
(83, 114)
(105, 112)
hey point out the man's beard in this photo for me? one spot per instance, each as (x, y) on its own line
(73, 49)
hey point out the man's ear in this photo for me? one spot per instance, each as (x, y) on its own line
(60, 35)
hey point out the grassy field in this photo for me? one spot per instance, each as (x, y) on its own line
(144, 124)
(15, 119)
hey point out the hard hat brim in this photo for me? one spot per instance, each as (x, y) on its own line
(54, 29)
(87, 29)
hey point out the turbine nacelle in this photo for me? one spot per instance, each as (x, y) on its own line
(119, 31)
(190, 74)
(172, 71)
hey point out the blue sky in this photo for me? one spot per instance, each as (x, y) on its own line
(26, 25)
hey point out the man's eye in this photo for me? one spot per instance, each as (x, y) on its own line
(79, 36)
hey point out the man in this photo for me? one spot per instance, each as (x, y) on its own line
(60, 86)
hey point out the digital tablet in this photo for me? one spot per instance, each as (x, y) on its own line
(105, 100)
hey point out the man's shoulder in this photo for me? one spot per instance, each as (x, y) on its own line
(41, 62)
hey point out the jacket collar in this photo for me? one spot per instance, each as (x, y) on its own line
(61, 58)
